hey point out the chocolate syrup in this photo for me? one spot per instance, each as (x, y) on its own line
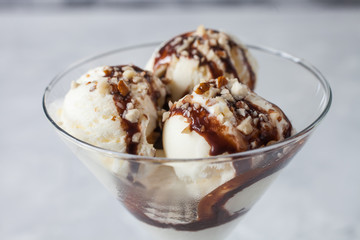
(130, 128)
(121, 99)
(210, 128)
(266, 133)
(122, 96)
(211, 211)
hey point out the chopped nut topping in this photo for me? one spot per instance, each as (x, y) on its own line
(136, 137)
(125, 68)
(178, 104)
(221, 118)
(221, 81)
(170, 104)
(221, 53)
(245, 126)
(119, 105)
(225, 91)
(176, 41)
(213, 92)
(117, 74)
(239, 90)
(108, 72)
(165, 116)
(228, 97)
(201, 30)
(136, 79)
(202, 88)
(212, 42)
(246, 107)
(211, 55)
(129, 74)
(263, 117)
(185, 106)
(184, 53)
(187, 98)
(132, 115)
(130, 106)
(241, 111)
(180, 48)
(123, 88)
(210, 102)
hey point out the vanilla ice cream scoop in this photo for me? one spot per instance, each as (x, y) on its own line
(203, 54)
(221, 116)
(114, 107)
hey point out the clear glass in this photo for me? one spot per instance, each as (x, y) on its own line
(225, 187)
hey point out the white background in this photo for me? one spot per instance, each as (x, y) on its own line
(46, 193)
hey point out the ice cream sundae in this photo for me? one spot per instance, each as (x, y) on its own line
(188, 58)
(195, 106)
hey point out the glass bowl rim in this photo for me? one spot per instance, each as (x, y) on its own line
(234, 156)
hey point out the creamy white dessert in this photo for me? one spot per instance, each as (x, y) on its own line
(221, 116)
(203, 54)
(114, 107)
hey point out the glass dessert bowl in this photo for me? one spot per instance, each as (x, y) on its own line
(204, 197)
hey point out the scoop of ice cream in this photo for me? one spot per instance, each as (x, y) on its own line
(221, 116)
(114, 107)
(203, 54)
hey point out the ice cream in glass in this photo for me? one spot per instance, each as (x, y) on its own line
(188, 158)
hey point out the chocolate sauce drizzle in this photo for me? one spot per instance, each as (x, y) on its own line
(211, 211)
(266, 133)
(165, 55)
(210, 128)
(121, 99)
(120, 102)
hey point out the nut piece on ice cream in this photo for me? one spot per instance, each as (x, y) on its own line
(221, 116)
(114, 107)
(204, 54)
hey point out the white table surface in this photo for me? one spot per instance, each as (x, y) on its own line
(46, 193)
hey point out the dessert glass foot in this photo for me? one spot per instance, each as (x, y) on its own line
(209, 202)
